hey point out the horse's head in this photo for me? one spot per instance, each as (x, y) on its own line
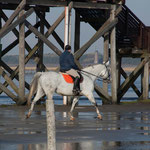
(105, 73)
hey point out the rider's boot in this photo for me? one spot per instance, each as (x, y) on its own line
(76, 87)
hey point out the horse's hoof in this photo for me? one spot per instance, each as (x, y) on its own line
(99, 117)
(72, 118)
(28, 116)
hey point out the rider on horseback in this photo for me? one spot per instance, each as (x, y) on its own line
(67, 65)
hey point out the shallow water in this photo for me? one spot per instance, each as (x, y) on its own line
(125, 130)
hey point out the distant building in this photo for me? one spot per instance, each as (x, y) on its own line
(96, 58)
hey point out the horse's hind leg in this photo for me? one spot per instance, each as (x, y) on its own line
(75, 100)
(92, 100)
(38, 95)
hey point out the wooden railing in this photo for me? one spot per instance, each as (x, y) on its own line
(131, 32)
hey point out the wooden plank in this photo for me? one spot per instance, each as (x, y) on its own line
(131, 78)
(38, 2)
(92, 5)
(9, 81)
(43, 38)
(14, 14)
(133, 85)
(17, 22)
(8, 92)
(105, 28)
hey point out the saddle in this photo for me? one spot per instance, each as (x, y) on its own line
(70, 79)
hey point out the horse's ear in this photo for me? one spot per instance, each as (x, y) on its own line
(106, 63)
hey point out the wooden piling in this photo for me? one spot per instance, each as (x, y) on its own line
(146, 81)
(21, 61)
(50, 116)
(113, 60)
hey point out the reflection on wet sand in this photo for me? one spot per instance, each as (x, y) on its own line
(118, 130)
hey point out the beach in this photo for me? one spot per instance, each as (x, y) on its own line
(126, 124)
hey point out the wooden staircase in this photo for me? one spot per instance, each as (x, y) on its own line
(130, 31)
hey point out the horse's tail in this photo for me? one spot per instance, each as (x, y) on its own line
(33, 87)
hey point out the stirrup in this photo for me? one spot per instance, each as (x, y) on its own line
(76, 91)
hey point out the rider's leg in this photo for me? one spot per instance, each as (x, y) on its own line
(76, 87)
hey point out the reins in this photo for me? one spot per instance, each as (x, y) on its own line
(98, 78)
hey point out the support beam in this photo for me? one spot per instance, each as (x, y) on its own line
(109, 24)
(39, 67)
(17, 22)
(49, 3)
(113, 60)
(8, 80)
(13, 75)
(106, 56)
(92, 5)
(21, 60)
(146, 81)
(103, 94)
(13, 44)
(123, 73)
(43, 38)
(15, 31)
(77, 32)
(48, 26)
(12, 17)
(8, 92)
(131, 78)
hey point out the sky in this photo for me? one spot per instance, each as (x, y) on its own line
(139, 7)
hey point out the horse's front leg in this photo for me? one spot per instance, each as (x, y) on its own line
(92, 100)
(75, 100)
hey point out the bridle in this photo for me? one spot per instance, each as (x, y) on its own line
(99, 78)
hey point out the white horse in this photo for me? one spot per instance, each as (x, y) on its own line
(46, 83)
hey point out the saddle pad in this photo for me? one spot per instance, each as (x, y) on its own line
(67, 78)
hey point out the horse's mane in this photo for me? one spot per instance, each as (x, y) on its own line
(89, 67)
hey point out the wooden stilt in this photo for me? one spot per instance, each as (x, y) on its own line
(113, 61)
(77, 32)
(146, 81)
(106, 56)
(41, 48)
(21, 61)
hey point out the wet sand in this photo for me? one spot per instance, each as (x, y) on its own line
(123, 127)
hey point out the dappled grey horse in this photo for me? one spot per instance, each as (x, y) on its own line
(46, 83)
